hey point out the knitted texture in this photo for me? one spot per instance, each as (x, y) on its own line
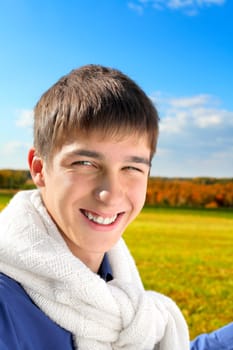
(116, 315)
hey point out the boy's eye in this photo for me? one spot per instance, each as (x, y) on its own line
(82, 162)
(132, 168)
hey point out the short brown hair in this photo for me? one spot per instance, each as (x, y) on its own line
(92, 98)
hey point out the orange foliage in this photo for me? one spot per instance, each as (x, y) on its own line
(198, 192)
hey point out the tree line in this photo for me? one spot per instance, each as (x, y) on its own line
(175, 192)
(195, 192)
(15, 179)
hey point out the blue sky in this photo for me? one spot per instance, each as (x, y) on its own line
(179, 51)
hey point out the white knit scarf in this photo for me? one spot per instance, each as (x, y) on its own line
(116, 315)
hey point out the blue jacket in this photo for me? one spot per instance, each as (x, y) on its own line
(221, 339)
(23, 326)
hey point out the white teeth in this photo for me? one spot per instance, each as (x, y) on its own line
(100, 219)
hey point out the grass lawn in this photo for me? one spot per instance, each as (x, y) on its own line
(5, 196)
(187, 255)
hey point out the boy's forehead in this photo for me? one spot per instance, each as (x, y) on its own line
(113, 137)
(92, 140)
(87, 143)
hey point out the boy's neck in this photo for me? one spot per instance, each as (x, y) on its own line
(92, 260)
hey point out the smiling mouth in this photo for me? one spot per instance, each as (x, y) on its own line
(100, 219)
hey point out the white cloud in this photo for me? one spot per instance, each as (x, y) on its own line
(210, 2)
(191, 163)
(176, 4)
(14, 146)
(185, 113)
(13, 155)
(189, 7)
(25, 118)
(205, 118)
(163, 151)
(136, 7)
(190, 101)
(196, 137)
(218, 163)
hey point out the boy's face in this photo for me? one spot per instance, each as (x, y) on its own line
(93, 188)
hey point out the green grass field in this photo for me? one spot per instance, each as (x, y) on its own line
(187, 255)
(5, 197)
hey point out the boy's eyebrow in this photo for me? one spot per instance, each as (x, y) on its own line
(142, 160)
(97, 155)
(85, 153)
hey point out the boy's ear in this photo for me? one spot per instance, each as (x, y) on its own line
(36, 168)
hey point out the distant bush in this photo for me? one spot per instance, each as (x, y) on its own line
(196, 192)
(14, 179)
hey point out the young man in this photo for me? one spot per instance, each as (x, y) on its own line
(67, 278)
(95, 133)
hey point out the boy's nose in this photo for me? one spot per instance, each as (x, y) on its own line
(103, 195)
(109, 192)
